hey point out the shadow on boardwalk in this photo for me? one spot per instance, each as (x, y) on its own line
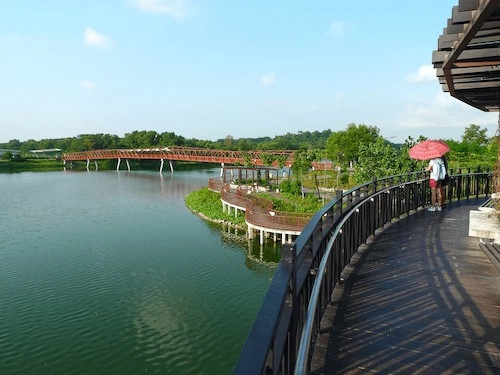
(421, 298)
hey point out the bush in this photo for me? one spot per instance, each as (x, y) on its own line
(291, 186)
(208, 203)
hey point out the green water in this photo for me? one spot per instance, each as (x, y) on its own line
(109, 273)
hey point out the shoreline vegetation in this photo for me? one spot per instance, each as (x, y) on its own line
(30, 165)
(207, 204)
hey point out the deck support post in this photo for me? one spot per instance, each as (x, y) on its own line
(171, 166)
(88, 163)
(161, 166)
(96, 166)
(128, 165)
(118, 164)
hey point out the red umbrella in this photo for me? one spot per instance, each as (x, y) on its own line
(429, 149)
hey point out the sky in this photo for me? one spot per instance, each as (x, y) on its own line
(212, 68)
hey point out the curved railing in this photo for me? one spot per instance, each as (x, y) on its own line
(216, 184)
(283, 335)
(260, 212)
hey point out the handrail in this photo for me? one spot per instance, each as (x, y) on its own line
(283, 333)
(305, 340)
(261, 213)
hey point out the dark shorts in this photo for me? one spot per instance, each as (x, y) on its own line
(434, 184)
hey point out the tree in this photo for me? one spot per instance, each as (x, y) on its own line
(228, 141)
(475, 135)
(376, 159)
(14, 144)
(7, 155)
(302, 163)
(343, 146)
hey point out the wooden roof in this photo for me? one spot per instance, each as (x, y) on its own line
(467, 60)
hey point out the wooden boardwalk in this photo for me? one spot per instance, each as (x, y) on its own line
(421, 298)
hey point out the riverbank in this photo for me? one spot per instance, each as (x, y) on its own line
(30, 165)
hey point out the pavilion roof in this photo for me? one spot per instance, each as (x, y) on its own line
(467, 60)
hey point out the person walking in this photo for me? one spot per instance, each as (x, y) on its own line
(438, 171)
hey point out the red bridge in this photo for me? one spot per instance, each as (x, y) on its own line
(173, 153)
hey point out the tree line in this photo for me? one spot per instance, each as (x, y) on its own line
(150, 139)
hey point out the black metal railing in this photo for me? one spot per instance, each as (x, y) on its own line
(282, 338)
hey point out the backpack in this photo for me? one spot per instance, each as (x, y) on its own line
(443, 173)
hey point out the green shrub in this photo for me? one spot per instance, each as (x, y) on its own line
(208, 203)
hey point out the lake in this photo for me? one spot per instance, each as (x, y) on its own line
(109, 273)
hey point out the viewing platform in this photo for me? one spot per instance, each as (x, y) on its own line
(421, 298)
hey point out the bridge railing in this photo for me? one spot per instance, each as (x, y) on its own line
(282, 338)
(182, 153)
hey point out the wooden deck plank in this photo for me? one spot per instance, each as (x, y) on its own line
(422, 298)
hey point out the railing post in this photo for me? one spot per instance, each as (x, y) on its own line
(337, 212)
(478, 181)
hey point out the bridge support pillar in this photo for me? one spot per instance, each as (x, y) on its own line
(128, 165)
(222, 170)
(88, 163)
(171, 166)
(118, 164)
(261, 237)
(96, 166)
(161, 166)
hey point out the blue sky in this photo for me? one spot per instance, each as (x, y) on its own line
(208, 69)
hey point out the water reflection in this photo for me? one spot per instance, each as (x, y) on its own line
(267, 255)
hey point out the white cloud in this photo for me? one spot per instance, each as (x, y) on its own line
(176, 9)
(425, 73)
(442, 117)
(268, 79)
(336, 29)
(88, 85)
(96, 39)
